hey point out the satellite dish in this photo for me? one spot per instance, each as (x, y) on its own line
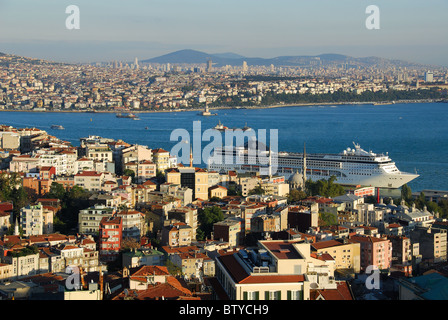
(314, 285)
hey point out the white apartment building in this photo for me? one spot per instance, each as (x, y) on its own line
(31, 220)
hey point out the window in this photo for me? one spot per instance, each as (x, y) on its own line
(272, 295)
(295, 295)
(251, 295)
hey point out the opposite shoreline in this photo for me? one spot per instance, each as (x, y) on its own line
(279, 105)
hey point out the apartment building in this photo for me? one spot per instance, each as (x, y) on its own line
(26, 264)
(375, 251)
(187, 215)
(346, 254)
(89, 219)
(110, 238)
(31, 220)
(134, 225)
(276, 270)
(432, 243)
(229, 230)
(161, 158)
(90, 180)
(177, 234)
(194, 178)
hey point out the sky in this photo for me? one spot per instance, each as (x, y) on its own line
(411, 30)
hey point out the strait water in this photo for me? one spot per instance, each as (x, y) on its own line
(414, 135)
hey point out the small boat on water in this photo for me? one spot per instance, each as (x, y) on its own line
(246, 128)
(126, 115)
(220, 127)
(57, 127)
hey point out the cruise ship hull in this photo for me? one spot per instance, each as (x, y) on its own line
(392, 181)
(351, 167)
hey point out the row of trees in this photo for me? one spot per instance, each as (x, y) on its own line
(367, 96)
(325, 188)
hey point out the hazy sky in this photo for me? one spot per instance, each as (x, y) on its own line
(413, 30)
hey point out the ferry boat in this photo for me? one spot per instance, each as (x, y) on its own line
(220, 126)
(124, 115)
(57, 127)
(351, 167)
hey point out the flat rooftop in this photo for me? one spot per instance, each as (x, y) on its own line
(282, 249)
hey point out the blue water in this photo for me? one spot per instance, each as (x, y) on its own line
(414, 135)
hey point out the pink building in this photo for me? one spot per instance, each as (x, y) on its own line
(375, 251)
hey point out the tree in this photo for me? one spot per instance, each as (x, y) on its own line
(20, 199)
(72, 201)
(325, 188)
(257, 190)
(129, 173)
(406, 193)
(57, 191)
(296, 195)
(11, 189)
(233, 191)
(129, 244)
(11, 229)
(172, 268)
(28, 250)
(443, 205)
(207, 217)
(328, 219)
(160, 177)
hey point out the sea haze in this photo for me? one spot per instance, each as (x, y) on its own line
(414, 135)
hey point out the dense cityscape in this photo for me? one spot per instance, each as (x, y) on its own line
(113, 220)
(35, 85)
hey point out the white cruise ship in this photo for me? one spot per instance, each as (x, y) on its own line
(351, 167)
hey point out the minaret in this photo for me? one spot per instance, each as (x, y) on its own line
(16, 228)
(191, 158)
(304, 165)
(270, 163)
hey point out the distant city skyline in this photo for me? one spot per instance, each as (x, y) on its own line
(114, 30)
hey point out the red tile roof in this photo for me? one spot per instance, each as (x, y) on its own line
(170, 290)
(325, 244)
(159, 150)
(150, 270)
(342, 292)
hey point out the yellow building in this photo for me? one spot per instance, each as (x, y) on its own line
(346, 254)
(161, 158)
(217, 191)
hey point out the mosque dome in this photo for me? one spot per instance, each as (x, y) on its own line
(296, 179)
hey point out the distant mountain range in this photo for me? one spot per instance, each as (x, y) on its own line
(222, 59)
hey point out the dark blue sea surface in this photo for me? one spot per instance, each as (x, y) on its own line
(414, 135)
